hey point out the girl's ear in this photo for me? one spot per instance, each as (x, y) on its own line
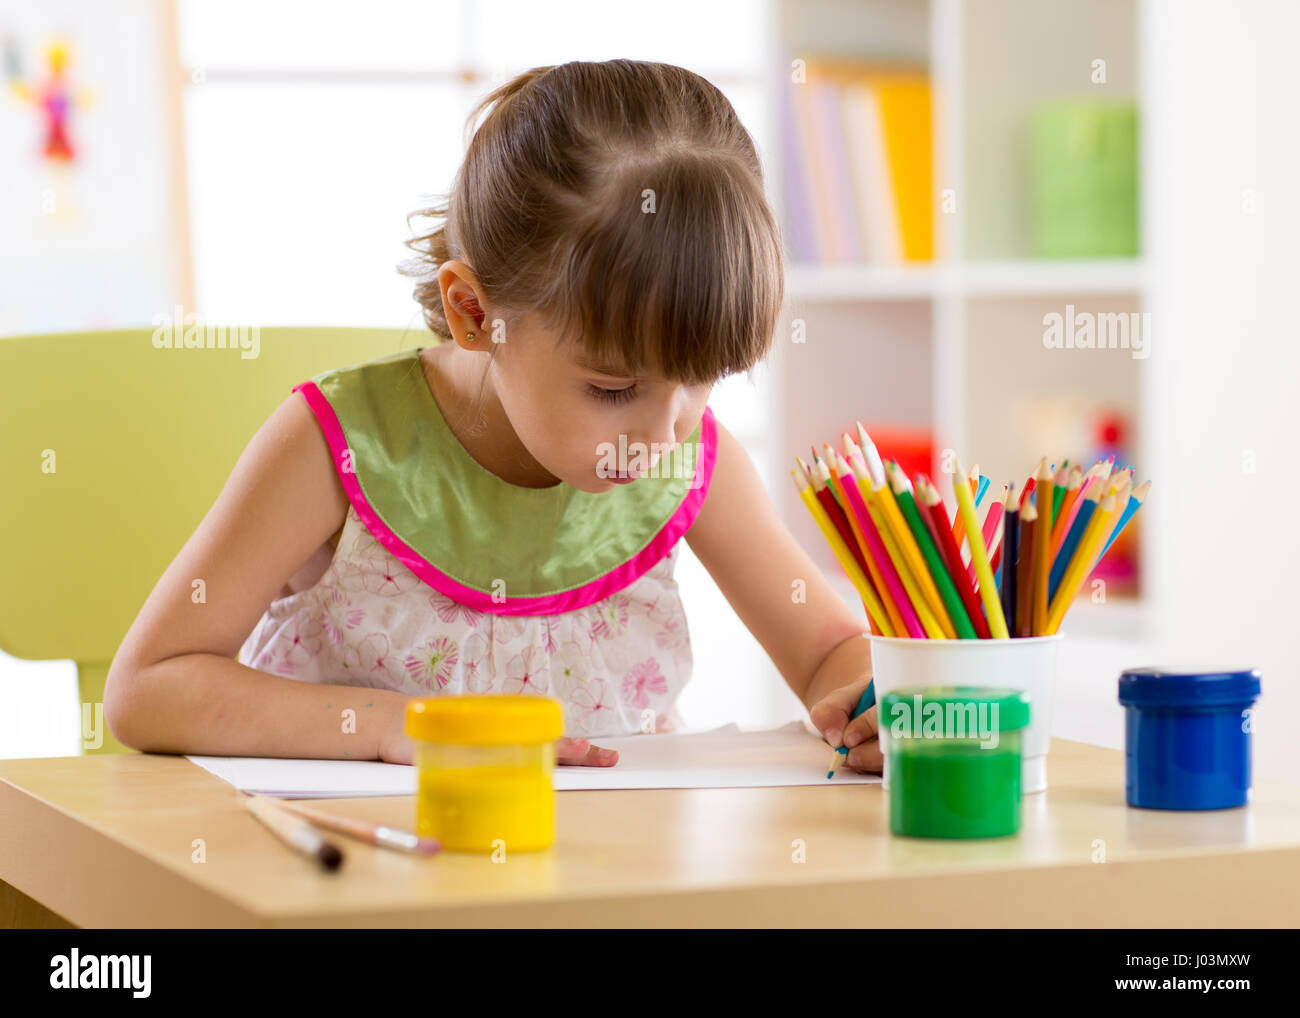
(468, 305)
(458, 294)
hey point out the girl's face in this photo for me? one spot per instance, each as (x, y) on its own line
(591, 425)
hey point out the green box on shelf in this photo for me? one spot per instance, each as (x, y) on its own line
(1084, 179)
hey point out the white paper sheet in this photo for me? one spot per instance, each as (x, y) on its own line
(724, 757)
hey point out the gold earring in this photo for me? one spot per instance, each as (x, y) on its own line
(469, 335)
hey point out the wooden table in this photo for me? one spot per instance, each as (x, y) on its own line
(112, 841)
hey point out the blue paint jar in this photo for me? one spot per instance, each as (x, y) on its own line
(1187, 737)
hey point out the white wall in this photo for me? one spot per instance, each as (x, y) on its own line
(1225, 542)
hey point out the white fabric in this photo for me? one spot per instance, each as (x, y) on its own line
(617, 666)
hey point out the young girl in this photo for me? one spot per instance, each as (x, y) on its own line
(500, 511)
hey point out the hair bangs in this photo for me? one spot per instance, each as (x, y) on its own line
(681, 273)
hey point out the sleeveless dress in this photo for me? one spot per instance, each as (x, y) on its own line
(449, 580)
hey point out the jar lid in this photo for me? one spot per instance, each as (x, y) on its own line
(953, 712)
(1160, 687)
(500, 720)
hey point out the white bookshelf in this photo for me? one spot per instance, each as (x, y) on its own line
(942, 344)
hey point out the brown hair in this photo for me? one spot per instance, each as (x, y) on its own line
(624, 200)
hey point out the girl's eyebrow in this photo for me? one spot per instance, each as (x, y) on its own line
(613, 370)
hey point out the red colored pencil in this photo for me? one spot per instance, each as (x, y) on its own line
(952, 558)
(824, 494)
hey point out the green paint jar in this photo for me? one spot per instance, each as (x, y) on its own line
(954, 760)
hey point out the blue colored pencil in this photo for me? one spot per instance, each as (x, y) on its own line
(865, 701)
(1071, 541)
(979, 491)
(1134, 504)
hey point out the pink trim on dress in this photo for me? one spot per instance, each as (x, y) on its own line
(552, 604)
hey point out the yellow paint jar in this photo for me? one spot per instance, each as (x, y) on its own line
(484, 765)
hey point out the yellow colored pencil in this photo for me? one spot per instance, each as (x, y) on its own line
(928, 622)
(819, 477)
(842, 553)
(1121, 492)
(912, 552)
(1121, 510)
(1080, 565)
(979, 555)
(959, 525)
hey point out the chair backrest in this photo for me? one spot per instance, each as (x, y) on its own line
(112, 450)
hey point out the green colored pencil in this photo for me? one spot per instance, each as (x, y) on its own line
(1058, 489)
(951, 599)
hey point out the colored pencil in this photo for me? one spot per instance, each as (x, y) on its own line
(987, 591)
(874, 558)
(911, 553)
(1025, 567)
(1042, 546)
(871, 456)
(1080, 565)
(1135, 501)
(865, 702)
(933, 502)
(1089, 480)
(989, 529)
(932, 525)
(993, 530)
(998, 565)
(1072, 539)
(827, 474)
(822, 478)
(1010, 543)
(814, 478)
(835, 511)
(958, 524)
(947, 590)
(872, 498)
(1058, 488)
(841, 552)
(896, 584)
(1059, 521)
(837, 477)
(1121, 492)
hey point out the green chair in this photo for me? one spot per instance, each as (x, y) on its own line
(112, 451)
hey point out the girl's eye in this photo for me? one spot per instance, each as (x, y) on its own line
(612, 395)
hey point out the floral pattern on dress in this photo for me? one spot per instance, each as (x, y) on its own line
(369, 621)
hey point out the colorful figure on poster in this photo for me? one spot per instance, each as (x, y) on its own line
(53, 96)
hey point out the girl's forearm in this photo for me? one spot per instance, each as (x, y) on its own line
(210, 705)
(849, 661)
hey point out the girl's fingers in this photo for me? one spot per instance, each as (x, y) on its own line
(831, 715)
(862, 729)
(867, 758)
(581, 753)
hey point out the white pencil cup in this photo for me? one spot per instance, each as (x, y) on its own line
(1027, 664)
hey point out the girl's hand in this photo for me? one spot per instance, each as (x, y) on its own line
(400, 749)
(831, 716)
(397, 747)
(582, 753)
